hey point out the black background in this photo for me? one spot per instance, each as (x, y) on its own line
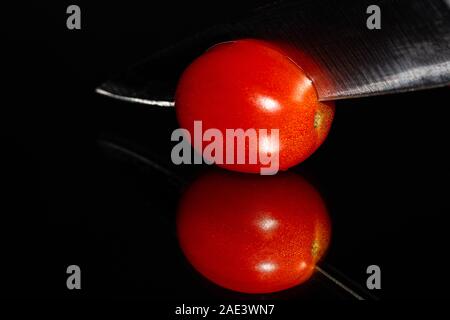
(383, 170)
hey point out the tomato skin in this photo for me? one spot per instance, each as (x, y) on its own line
(253, 234)
(254, 84)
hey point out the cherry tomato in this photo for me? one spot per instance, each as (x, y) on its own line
(253, 234)
(254, 84)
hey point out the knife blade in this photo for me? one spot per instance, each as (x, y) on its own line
(344, 58)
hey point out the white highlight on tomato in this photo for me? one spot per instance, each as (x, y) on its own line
(268, 103)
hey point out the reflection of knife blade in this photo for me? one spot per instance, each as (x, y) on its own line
(411, 51)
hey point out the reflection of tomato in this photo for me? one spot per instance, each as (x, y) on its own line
(254, 84)
(253, 234)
